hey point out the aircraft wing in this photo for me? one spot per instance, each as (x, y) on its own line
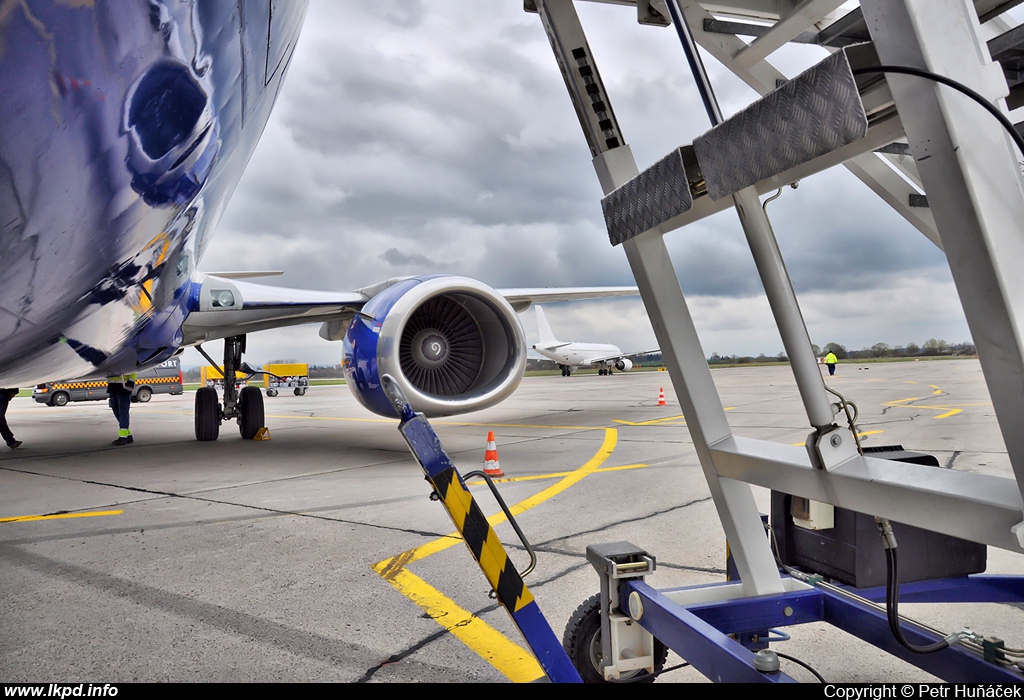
(602, 358)
(619, 356)
(551, 347)
(224, 306)
(522, 298)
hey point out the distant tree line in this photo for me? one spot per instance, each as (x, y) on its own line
(717, 359)
(933, 347)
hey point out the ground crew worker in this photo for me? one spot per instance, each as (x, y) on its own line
(120, 387)
(831, 360)
(5, 430)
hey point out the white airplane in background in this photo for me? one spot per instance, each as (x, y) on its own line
(570, 356)
(124, 128)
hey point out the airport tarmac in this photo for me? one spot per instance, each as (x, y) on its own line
(318, 556)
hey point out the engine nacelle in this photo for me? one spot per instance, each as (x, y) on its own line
(453, 344)
(624, 365)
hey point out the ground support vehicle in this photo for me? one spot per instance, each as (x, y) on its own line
(214, 377)
(881, 107)
(162, 379)
(294, 376)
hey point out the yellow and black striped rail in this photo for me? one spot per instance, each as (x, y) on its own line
(486, 548)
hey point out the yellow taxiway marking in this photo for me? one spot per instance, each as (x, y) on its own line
(93, 514)
(947, 410)
(510, 659)
(503, 654)
(861, 434)
(450, 423)
(554, 475)
(392, 421)
(653, 421)
(656, 421)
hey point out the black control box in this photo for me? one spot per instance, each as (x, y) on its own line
(850, 551)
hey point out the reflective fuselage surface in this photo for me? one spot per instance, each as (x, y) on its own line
(578, 353)
(124, 129)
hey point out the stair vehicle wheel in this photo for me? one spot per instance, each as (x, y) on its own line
(207, 414)
(144, 395)
(582, 643)
(250, 408)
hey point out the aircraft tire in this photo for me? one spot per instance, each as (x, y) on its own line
(250, 408)
(582, 643)
(207, 414)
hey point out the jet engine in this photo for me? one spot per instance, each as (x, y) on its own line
(453, 344)
(624, 365)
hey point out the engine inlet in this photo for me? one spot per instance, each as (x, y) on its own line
(440, 348)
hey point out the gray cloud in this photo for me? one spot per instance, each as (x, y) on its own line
(396, 257)
(415, 137)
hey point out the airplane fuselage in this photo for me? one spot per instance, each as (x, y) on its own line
(125, 128)
(579, 354)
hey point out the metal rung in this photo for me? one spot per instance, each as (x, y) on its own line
(651, 198)
(817, 112)
(825, 111)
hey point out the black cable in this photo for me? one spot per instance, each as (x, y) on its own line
(892, 600)
(666, 670)
(798, 661)
(648, 677)
(891, 556)
(960, 87)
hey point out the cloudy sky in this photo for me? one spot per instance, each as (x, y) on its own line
(416, 137)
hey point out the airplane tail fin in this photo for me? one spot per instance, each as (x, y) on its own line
(546, 336)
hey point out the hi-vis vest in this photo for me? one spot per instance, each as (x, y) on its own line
(123, 379)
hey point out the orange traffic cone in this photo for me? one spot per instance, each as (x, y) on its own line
(661, 397)
(491, 466)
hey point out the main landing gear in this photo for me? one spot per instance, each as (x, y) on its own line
(246, 406)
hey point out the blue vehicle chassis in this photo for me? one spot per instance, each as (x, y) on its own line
(701, 632)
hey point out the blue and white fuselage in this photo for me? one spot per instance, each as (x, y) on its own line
(125, 128)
